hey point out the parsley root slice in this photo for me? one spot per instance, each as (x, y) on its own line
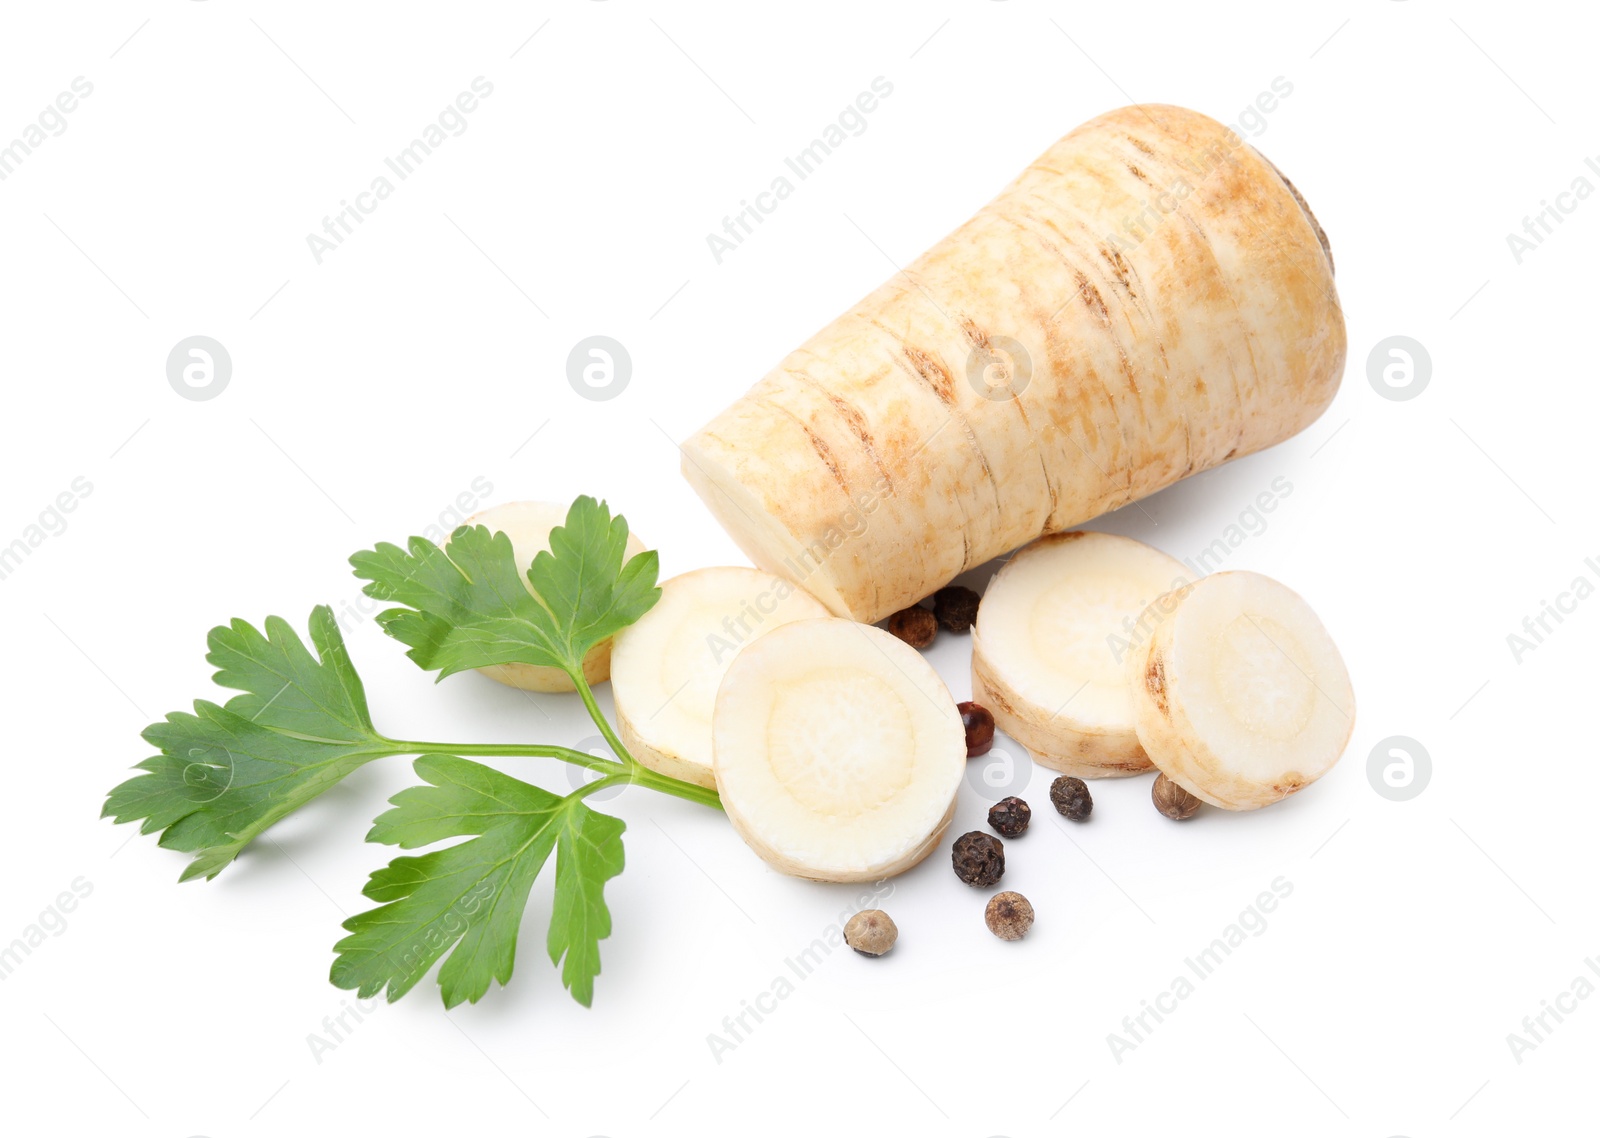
(1149, 299)
(468, 899)
(667, 665)
(839, 751)
(1050, 648)
(528, 525)
(1240, 695)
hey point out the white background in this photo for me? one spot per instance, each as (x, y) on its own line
(370, 390)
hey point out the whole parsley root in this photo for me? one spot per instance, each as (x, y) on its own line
(961, 410)
(300, 723)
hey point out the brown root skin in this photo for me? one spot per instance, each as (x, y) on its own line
(868, 467)
(1305, 208)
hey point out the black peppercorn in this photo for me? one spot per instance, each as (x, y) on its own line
(915, 625)
(978, 859)
(1071, 798)
(979, 724)
(1010, 816)
(956, 607)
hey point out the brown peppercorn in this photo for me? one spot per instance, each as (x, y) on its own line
(978, 859)
(979, 724)
(956, 607)
(1172, 800)
(1010, 816)
(1008, 915)
(915, 625)
(1071, 798)
(871, 932)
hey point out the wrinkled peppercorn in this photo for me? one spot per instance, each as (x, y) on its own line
(1071, 798)
(871, 932)
(956, 607)
(1009, 915)
(1172, 800)
(978, 858)
(915, 625)
(979, 724)
(1010, 816)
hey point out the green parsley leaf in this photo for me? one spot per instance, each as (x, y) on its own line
(468, 605)
(470, 897)
(228, 772)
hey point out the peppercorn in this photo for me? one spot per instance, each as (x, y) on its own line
(1172, 800)
(979, 723)
(915, 625)
(978, 859)
(1010, 816)
(871, 932)
(1071, 798)
(1008, 915)
(956, 607)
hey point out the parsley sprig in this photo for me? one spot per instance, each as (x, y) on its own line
(300, 724)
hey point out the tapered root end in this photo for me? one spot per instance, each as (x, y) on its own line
(1327, 250)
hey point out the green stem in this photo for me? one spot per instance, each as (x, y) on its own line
(627, 770)
(600, 721)
(641, 774)
(565, 754)
(589, 788)
(688, 791)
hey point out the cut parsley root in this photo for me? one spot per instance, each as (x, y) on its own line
(1240, 695)
(667, 665)
(1050, 648)
(1149, 299)
(838, 751)
(300, 724)
(528, 525)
